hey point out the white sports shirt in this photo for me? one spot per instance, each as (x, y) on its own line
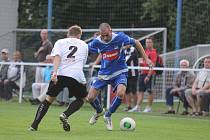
(73, 53)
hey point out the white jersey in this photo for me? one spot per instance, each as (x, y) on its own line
(73, 53)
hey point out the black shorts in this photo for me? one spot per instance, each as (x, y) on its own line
(75, 88)
(131, 85)
(145, 87)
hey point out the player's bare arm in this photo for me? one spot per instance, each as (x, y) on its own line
(56, 63)
(96, 62)
(98, 59)
(39, 50)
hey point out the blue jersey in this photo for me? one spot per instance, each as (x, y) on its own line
(113, 60)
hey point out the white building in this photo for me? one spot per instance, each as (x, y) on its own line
(8, 22)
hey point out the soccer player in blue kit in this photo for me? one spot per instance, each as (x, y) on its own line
(110, 47)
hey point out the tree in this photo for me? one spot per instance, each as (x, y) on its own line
(195, 20)
(123, 14)
(32, 14)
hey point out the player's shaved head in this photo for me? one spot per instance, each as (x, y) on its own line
(105, 31)
(104, 26)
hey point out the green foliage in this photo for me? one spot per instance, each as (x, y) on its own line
(195, 20)
(162, 13)
(32, 14)
(86, 13)
(123, 14)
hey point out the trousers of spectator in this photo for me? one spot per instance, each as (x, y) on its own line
(170, 98)
(39, 89)
(8, 87)
(39, 74)
(2, 89)
(205, 97)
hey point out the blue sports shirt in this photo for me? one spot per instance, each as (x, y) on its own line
(113, 60)
(47, 73)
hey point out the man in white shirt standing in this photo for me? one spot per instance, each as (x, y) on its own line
(70, 55)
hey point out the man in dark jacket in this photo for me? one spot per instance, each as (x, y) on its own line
(3, 70)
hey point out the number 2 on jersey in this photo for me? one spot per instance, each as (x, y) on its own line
(73, 50)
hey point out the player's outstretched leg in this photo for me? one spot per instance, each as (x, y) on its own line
(73, 107)
(107, 116)
(99, 111)
(41, 111)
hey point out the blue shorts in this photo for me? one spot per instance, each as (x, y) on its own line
(99, 84)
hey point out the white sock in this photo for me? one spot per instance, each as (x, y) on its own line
(137, 106)
(170, 108)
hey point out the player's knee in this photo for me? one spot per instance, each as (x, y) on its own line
(92, 95)
(50, 99)
(90, 98)
(121, 93)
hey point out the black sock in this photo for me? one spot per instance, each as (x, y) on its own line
(41, 111)
(73, 107)
(37, 100)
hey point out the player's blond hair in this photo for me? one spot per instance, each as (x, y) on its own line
(74, 31)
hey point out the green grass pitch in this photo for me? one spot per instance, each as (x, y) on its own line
(15, 118)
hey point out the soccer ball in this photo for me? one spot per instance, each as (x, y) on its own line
(127, 124)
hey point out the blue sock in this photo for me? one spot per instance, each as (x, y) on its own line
(115, 104)
(97, 105)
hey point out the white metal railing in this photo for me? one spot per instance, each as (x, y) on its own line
(91, 30)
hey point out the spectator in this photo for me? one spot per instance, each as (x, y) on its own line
(205, 100)
(39, 89)
(198, 88)
(183, 81)
(3, 70)
(41, 53)
(145, 79)
(12, 80)
(131, 60)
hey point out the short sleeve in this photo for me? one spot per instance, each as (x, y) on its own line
(128, 40)
(56, 49)
(92, 47)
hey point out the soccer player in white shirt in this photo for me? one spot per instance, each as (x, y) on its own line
(70, 55)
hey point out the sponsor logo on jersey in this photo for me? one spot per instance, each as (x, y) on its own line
(69, 60)
(112, 55)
